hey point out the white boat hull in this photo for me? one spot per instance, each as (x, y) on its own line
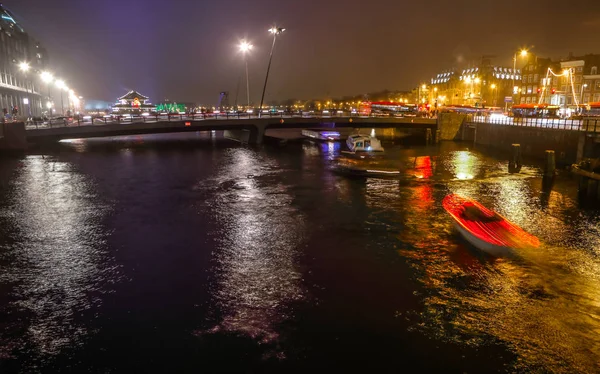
(494, 250)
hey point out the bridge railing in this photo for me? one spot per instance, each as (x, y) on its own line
(152, 118)
(569, 124)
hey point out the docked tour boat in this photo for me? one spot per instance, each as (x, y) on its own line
(363, 143)
(486, 229)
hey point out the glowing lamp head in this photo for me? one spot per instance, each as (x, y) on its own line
(60, 84)
(424, 87)
(24, 66)
(245, 47)
(477, 80)
(47, 77)
(493, 86)
(524, 52)
(276, 30)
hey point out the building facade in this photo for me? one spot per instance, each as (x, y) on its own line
(538, 84)
(19, 88)
(479, 84)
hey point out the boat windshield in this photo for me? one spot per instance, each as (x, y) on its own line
(473, 213)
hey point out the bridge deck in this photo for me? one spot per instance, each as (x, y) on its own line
(56, 132)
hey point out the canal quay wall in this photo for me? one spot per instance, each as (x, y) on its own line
(13, 136)
(568, 146)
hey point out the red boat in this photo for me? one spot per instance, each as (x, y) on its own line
(486, 229)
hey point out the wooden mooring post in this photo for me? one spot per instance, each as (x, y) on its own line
(550, 166)
(515, 162)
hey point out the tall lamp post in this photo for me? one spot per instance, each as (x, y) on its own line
(24, 67)
(245, 47)
(61, 86)
(522, 53)
(275, 31)
(47, 77)
(581, 95)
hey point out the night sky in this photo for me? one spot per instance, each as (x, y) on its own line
(186, 50)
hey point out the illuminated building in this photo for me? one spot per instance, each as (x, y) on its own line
(479, 84)
(132, 102)
(537, 86)
(580, 81)
(21, 59)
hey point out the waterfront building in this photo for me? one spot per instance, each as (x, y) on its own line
(538, 84)
(479, 84)
(21, 59)
(133, 102)
(576, 81)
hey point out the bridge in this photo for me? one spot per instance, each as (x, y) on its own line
(246, 128)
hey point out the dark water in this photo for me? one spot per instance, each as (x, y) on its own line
(189, 254)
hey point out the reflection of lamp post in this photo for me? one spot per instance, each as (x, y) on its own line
(24, 67)
(275, 31)
(245, 47)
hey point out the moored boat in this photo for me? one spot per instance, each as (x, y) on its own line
(363, 143)
(486, 229)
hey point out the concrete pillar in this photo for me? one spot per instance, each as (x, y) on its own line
(515, 162)
(550, 166)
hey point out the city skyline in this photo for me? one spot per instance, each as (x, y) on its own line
(330, 50)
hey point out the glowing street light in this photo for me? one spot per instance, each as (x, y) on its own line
(275, 31)
(47, 77)
(245, 48)
(24, 66)
(523, 53)
(63, 87)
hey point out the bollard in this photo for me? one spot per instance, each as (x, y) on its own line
(438, 134)
(515, 162)
(428, 136)
(550, 167)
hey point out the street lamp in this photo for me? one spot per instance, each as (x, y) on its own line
(61, 86)
(522, 53)
(47, 78)
(275, 31)
(24, 67)
(582, 87)
(245, 47)
(493, 87)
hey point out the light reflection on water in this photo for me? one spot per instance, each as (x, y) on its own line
(270, 209)
(55, 257)
(258, 244)
(544, 304)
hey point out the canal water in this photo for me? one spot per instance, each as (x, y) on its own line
(188, 253)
